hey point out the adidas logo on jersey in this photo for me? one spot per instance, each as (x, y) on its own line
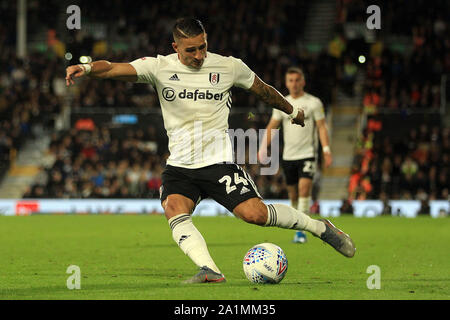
(244, 190)
(174, 77)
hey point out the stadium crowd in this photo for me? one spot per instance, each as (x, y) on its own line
(396, 80)
(415, 167)
(30, 91)
(101, 163)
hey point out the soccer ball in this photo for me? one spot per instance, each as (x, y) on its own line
(265, 263)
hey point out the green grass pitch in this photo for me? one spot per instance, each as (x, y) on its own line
(134, 257)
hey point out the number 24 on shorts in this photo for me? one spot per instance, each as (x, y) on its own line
(228, 182)
(309, 166)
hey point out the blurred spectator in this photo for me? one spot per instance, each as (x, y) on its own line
(346, 207)
(348, 75)
(424, 207)
(387, 209)
(337, 46)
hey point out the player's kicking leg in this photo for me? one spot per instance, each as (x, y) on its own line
(283, 216)
(178, 209)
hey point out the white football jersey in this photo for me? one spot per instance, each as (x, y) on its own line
(301, 142)
(195, 104)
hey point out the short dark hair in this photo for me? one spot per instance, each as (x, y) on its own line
(297, 70)
(187, 28)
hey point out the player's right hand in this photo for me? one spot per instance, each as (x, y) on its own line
(300, 118)
(262, 155)
(72, 72)
(328, 159)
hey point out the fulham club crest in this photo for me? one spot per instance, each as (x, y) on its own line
(214, 78)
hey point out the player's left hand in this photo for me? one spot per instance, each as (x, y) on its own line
(328, 159)
(300, 118)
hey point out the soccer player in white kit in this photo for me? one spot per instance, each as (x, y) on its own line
(193, 87)
(300, 143)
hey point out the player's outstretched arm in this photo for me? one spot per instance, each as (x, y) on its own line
(272, 97)
(101, 69)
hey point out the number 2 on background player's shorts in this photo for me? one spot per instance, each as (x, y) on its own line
(296, 169)
(227, 183)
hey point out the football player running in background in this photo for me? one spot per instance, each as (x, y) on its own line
(300, 143)
(193, 86)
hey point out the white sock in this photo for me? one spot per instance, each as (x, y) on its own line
(283, 216)
(294, 204)
(190, 241)
(303, 204)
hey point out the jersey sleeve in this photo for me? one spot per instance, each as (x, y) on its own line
(277, 114)
(146, 69)
(318, 111)
(243, 75)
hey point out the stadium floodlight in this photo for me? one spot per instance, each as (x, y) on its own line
(362, 59)
(84, 59)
